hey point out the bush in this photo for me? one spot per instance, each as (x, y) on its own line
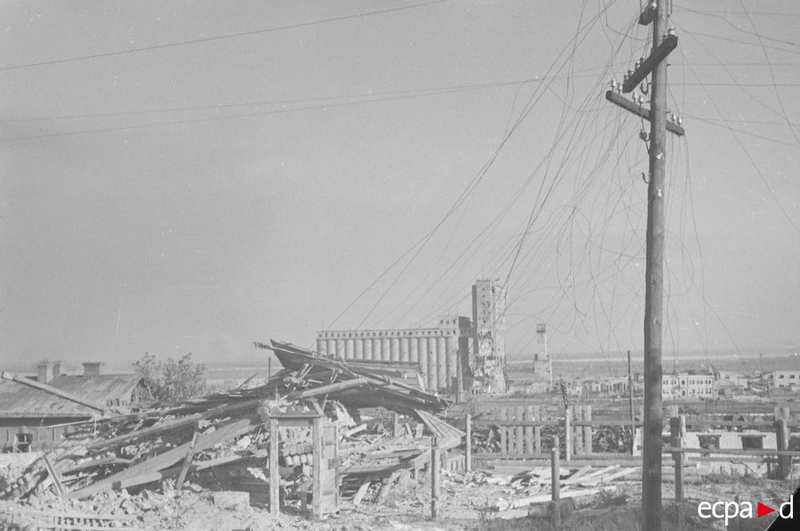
(170, 380)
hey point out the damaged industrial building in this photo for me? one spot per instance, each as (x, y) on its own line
(461, 356)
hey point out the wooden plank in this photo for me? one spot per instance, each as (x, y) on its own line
(587, 430)
(386, 486)
(504, 430)
(328, 389)
(362, 490)
(53, 476)
(555, 483)
(581, 472)
(506, 423)
(638, 110)
(605, 479)
(668, 43)
(372, 469)
(590, 476)
(162, 461)
(316, 479)
(173, 472)
(529, 442)
(540, 498)
(186, 462)
(274, 472)
(170, 425)
(729, 451)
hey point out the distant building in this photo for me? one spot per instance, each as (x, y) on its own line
(436, 351)
(471, 354)
(786, 379)
(489, 337)
(33, 419)
(687, 385)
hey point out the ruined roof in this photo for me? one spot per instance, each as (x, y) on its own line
(18, 400)
(355, 385)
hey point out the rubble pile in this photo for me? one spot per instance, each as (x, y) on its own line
(117, 464)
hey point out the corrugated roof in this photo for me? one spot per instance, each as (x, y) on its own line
(18, 400)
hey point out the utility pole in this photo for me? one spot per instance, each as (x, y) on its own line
(630, 402)
(664, 42)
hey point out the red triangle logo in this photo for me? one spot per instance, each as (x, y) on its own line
(764, 510)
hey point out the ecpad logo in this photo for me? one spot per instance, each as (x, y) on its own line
(727, 510)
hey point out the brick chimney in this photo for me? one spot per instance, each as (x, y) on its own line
(46, 372)
(92, 368)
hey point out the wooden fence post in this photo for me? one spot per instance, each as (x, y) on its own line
(783, 444)
(274, 472)
(435, 464)
(529, 443)
(503, 432)
(468, 456)
(577, 431)
(567, 434)
(537, 431)
(677, 442)
(587, 430)
(555, 481)
(519, 447)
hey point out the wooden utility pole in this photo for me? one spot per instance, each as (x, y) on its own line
(664, 42)
(654, 287)
(630, 405)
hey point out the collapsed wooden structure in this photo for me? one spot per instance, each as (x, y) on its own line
(176, 441)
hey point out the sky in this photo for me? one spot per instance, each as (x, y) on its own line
(193, 176)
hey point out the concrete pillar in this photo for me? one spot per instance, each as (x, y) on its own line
(340, 348)
(423, 361)
(331, 348)
(441, 363)
(433, 368)
(368, 348)
(404, 349)
(358, 350)
(451, 348)
(322, 346)
(413, 353)
(385, 349)
(348, 349)
(394, 348)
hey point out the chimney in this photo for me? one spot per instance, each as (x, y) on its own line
(57, 369)
(45, 372)
(92, 368)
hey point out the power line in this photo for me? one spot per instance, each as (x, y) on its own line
(410, 93)
(220, 37)
(216, 118)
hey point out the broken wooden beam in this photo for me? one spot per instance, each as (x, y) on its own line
(164, 460)
(223, 409)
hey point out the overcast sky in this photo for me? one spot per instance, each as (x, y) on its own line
(185, 176)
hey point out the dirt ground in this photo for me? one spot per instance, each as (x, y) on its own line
(467, 502)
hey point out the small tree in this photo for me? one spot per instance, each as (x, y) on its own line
(170, 380)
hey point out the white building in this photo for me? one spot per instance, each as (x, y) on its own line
(686, 385)
(786, 378)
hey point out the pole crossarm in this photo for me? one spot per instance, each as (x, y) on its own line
(638, 110)
(660, 53)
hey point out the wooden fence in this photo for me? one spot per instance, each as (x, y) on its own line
(520, 431)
